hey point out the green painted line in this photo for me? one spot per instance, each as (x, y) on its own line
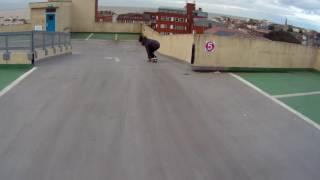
(129, 36)
(240, 69)
(79, 35)
(286, 82)
(307, 105)
(9, 73)
(103, 36)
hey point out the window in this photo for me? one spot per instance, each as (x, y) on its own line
(164, 18)
(163, 26)
(180, 27)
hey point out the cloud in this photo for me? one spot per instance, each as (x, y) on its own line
(311, 6)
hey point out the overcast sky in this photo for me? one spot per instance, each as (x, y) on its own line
(305, 13)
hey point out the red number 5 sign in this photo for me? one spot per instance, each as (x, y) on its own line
(210, 46)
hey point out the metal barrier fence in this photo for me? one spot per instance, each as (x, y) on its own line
(30, 41)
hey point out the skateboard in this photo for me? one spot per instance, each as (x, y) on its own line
(154, 60)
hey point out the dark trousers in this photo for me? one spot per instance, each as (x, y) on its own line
(151, 50)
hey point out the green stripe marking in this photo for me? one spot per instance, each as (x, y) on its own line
(9, 73)
(285, 83)
(307, 105)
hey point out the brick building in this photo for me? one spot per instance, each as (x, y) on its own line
(180, 21)
(134, 18)
(101, 16)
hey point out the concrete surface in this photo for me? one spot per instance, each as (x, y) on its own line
(16, 28)
(252, 53)
(41, 55)
(105, 113)
(17, 57)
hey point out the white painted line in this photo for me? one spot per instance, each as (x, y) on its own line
(300, 115)
(116, 59)
(89, 36)
(17, 81)
(108, 58)
(297, 94)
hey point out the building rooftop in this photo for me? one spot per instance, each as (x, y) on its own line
(173, 10)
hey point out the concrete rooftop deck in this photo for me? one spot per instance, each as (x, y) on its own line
(105, 113)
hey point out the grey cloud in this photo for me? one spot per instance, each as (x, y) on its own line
(307, 5)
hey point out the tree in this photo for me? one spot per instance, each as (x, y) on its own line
(290, 29)
(282, 36)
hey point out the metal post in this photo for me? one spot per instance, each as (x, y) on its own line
(6, 55)
(59, 41)
(69, 40)
(32, 51)
(52, 42)
(44, 41)
(65, 41)
(6, 43)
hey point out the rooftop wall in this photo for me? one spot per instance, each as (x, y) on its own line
(251, 53)
(110, 27)
(317, 62)
(83, 20)
(83, 15)
(232, 52)
(176, 46)
(16, 28)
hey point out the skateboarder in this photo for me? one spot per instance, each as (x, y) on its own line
(151, 47)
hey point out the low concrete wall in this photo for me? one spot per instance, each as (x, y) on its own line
(251, 53)
(176, 46)
(41, 54)
(109, 27)
(16, 28)
(16, 58)
(317, 62)
(21, 57)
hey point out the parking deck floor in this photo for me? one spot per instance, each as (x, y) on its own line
(105, 113)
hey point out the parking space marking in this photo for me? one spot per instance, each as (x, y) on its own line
(116, 59)
(17, 81)
(89, 36)
(297, 95)
(300, 115)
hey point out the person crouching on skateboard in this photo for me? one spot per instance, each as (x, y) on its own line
(151, 47)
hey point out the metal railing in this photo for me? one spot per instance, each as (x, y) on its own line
(30, 41)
